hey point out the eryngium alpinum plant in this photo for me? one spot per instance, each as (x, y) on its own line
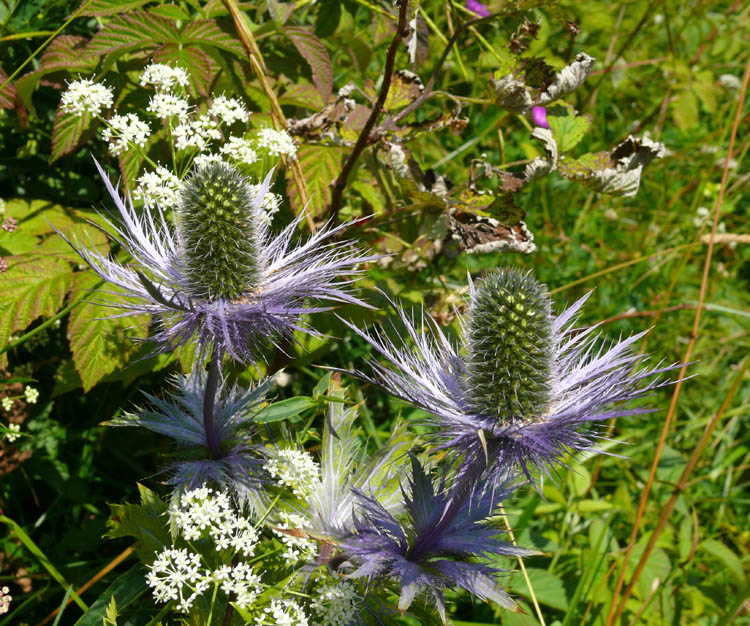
(523, 389)
(220, 277)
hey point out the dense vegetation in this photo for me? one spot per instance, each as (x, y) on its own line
(421, 127)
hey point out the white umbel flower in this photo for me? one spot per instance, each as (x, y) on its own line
(335, 604)
(283, 613)
(176, 574)
(165, 105)
(196, 133)
(159, 187)
(239, 580)
(32, 395)
(202, 160)
(124, 131)
(295, 548)
(239, 150)
(5, 599)
(270, 205)
(86, 96)
(7, 403)
(163, 77)
(277, 142)
(13, 432)
(295, 469)
(229, 110)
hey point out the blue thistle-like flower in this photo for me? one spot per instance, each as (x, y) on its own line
(524, 389)
(179, 415)
(220, 277)
(446, 528)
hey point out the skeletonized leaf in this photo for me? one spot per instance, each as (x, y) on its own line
(99, 343)
(542, 166)
(321, 166)
(511, 93)
(33, 286)
(618, 173)
(569, 78)
(315, 53)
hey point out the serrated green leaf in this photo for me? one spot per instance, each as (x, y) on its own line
(327, 19)
(70, 132)
(32, 287)
(98, 8)
(146, 522)
(287, 409)
(123, 591)
(196, 62)
(321, 166)
(170, 11)
(315, 53)
(134, 30)
(567, 128)
(210, 33)
(99, 343)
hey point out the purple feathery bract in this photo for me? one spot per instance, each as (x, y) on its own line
(544, 396)
(179, 415)
(477, 7)
(289, 279)
(432, 551)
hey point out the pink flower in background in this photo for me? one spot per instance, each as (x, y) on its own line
(477, 7)
(539, 115)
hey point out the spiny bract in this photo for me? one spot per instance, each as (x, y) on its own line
(509, 354)
(216, 225)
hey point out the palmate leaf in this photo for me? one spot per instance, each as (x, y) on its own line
(100, 344)
(33, 287)
(315, 53)
(321, 166)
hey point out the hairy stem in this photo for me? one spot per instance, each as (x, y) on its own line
(209, 406)
(364, 136)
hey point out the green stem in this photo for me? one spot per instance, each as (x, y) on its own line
(46, 41)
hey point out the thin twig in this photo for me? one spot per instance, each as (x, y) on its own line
(277, 115)
(95, 578)
(525, 573)
(614, 613)
(337, 189)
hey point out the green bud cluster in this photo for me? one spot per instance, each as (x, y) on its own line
(216, 225)
(508, 343)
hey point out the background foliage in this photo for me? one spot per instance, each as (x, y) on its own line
(658, 69)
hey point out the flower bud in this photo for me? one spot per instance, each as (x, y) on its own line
(509, 347)
(216, 224)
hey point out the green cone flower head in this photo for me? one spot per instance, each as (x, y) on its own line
(509, 347)
(217, 225)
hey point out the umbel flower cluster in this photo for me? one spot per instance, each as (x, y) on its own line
(260, 530)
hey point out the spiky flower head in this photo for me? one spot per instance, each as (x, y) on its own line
(522, 390)
(220, 277)
(509, 360)
(180, 415)
(434, 547)
(217, 227)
